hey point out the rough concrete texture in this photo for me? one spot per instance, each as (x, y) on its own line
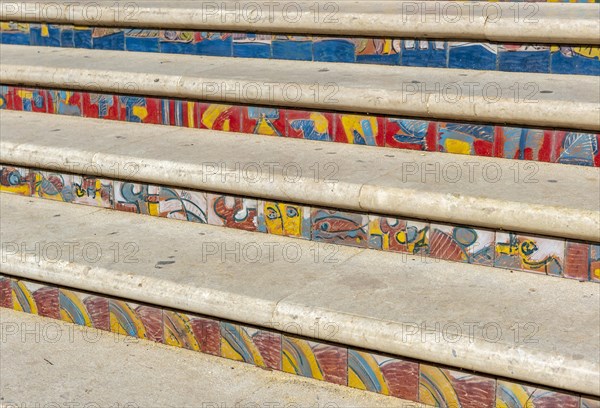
(49, 363)
(547, 23)
(542, 198)
(571, 102)
(449, 313)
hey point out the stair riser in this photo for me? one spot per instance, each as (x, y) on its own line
(576, 59)
(536, 144)
(434, 241)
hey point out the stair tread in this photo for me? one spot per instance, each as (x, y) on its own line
(485, 96)
(372, 307)
(540, 198)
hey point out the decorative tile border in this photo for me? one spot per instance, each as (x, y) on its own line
(457, 243)
(545, 145)
(418, 381)
(563, 59)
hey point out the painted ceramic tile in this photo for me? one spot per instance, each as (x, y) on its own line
(340, 227)
(577, 148)
(15, 33)
(142, 40)
(82, 37)
(84, 309)
(315, 360)
(64, 102)
(140, 109)
(423, 53)
(35, 298)
(384, 375)
(232, 212)
(131, 319)
(192, 332)
(221, 117)
(392, 234)
(529, 253)
(213, 43)
(524, 58)
(29, 100)
(108, 39)
(16, 180)
(442, 387)
(290, 220)
(67, 34)
(465, 138)
(333, 49)
(577, 260)
(178, 42)
(310, 125)
(180, 113)
(468, 55)
(6, 298)
(595, 263)
(251, 45)
(182, 204)
(255, 346)
(292, 47)
(90, 190)
(462, 244)
(100, 106)
(410, 134)
(377, 51)
(136, 198)
(263, 121)
(523, 143)
(53, 186)
(513, 395)
(6, 97)
(590, 402)
(48, 35)
(360, 129)
(576, 60)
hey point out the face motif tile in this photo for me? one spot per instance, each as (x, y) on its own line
(263, 121)
(221, 117)
(140, 109)
(442, 387)
(15, 33)
(377, 51)
(108, 39)
(477, 140)
(192, 332)
(590, 402)
(333, 49)
(16, 180)
(583, 60)
(142, 40)
(284, 219)
(315, 360)
(6, 297)
(523, 143)
(310, 125)
(89, 190)
(48, 35)
(340, 227)
(292, 47)
(595, 263)
(84, 309)
(577, 148)
(392, 234)
(410, 134)
(100, 106)
(383, 375)
(64, 102)
(29, 100)
(35, 298)
(469, 55)
(360, 129)
(136, 198)
(180, 113)
(53, 186)
(423, 53)
(577, 260)
(182, 204)
(255, 346)
(524, 58)
(462, 244)
(529, 253)
(514, 395)
(232, 212)
(249, 45)
(131, 319)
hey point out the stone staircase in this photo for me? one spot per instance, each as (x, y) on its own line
(423, 222)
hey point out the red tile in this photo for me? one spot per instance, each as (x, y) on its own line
(181, 113)
(64, 102)
(192, 332)
(30, 100)
(411, 134)
(215, 116)
(6, 292)
(100, 106)
(360, 129)
(263, 121)
(577, 260)
(140, 109)
(523, 143)
(310, 125)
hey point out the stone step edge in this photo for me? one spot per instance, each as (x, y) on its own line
(543, 22)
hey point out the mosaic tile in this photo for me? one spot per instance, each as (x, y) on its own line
(292, 47)
(577, 260)
(470, 139)
(29, 100)
(315, 360)
(263, 121)
(136, 198)
(250, 45)
(255, 346)
(140, 109)
(442, 387)
(84, 309)
(64, 102)
(383, 375)
(595, 263)
(468, 55)
(290, 220)
(583, 60)
(524, 58)
(131, 319)
(333, 49)
(82, 37)
(67, 35)
(6, 97)
(310, 125)
(577, 148)
(53, 186)
(215, 44)
(424, 53)
(182, 204)
(529, 253)
(410, 134)
(15, 33)
(392, 234)
(108, 39)
(340, 227)
(377, 51)
(221, 117)
(16, 180)
(523, 143)
(35, 298)
(100, 106)
(462, 244)
(513, 395)
(232, 212)
(192, 332)
(142, 40)
(360, 129)
(6, 298)
(90, 190)
(178, 42)
(590, 402)
(180, 113)
(48, 35)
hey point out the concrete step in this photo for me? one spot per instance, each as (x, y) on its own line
(412, 309)
(561, 101)
(539, 198)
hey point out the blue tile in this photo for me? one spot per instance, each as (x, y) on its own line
(67, 37)
(51, 39)
(16, 33)
(424, 53)
(334, 50)
(290, 48)
(215, 44)
(82, 38)
(472, 56)
(177, 42)
(115, 41)
(142, 44)
(525, 58)
(576, 60)
(252, 46)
